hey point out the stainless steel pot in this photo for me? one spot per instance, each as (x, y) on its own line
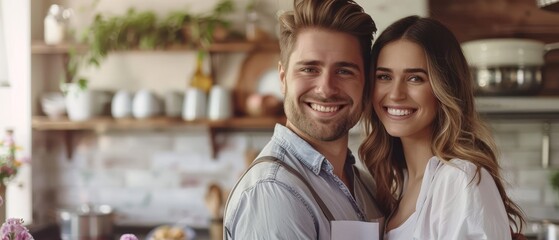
(87, 223)
(507, 66)
(507, 80)
(544, 230)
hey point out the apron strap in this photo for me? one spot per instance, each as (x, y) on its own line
(297, 174)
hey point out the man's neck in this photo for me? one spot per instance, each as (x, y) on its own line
(334, 151)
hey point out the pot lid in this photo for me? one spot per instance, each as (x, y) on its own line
(87, 209)
(504, 52)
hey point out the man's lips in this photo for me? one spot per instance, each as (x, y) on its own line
(323, 108)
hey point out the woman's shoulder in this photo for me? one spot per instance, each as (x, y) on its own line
(460, 171)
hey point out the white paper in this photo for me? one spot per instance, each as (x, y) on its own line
(355, 230)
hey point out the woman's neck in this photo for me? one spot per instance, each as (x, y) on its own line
(417, 153)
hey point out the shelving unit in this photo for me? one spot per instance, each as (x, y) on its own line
(40, 47)
(43, 123)
(100, 124)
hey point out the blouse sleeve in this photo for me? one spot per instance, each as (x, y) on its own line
(462, 208)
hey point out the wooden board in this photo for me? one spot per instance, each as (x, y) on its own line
(255, 65)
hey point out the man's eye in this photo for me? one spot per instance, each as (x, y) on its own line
(308, 70)
(345, 72)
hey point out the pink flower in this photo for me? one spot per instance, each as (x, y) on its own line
(24, 236)
(128, 237)
(13, 229)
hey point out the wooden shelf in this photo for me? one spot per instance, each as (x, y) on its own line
(43, 123)
(39, 47)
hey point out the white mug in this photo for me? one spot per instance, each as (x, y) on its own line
(173, 103)
(219, 103)
(194, 106)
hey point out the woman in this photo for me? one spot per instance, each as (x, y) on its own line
(434, 161)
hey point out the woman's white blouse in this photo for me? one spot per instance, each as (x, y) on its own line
(452, 205)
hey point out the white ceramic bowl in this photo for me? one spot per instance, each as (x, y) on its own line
(504, 52)
(53, 104)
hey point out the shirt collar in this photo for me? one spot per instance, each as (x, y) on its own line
(304, 152)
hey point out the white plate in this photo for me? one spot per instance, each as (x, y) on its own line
(270, 83)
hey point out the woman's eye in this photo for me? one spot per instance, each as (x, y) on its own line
(383, 77)
(417, 79)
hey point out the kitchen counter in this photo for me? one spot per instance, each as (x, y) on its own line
(52, 232)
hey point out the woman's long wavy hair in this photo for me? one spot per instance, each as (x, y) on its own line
(458, 131)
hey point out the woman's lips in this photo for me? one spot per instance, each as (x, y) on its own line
(399, 112)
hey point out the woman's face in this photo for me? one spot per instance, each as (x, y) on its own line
(403, 97)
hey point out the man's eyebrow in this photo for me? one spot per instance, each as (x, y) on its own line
(348, 64)
(319, 63)
(309, 63)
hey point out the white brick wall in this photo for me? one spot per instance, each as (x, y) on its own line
(154, 177)
(150, 177)
(520, 144)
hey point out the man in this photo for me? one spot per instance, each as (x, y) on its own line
(311, 178)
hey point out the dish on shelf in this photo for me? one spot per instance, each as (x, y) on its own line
(168, 232)
(254, 70)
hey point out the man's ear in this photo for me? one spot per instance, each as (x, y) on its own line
(282, 73)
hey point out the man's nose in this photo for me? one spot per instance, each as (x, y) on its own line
(327, 85)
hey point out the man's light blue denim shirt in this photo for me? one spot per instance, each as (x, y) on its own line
(271, 203)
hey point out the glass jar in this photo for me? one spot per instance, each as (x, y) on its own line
(55, 24)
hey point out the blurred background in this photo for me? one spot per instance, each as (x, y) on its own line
(148, 111)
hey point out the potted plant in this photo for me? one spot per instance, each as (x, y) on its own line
(554, 181)
(78, 98)
(174, 30)
(206, 28)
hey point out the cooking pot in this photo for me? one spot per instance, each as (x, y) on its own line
(507, 66)
(87, 222)
(544, 230)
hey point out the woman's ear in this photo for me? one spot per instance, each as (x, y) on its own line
(282, 73)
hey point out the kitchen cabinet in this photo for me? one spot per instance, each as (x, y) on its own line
(104, 123)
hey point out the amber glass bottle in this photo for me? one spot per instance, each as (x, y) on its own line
(200, 79)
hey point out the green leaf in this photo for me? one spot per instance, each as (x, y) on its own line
(554, 180)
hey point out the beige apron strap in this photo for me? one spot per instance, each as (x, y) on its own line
(290, 169)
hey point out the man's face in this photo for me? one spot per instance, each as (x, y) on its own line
(323, 84)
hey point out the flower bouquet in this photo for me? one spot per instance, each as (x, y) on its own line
(13, 229)
(9, 163)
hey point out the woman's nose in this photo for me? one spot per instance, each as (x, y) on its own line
(397, 91)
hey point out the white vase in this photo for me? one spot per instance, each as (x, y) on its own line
(79, 103)
(121, 106)
(145, 104)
